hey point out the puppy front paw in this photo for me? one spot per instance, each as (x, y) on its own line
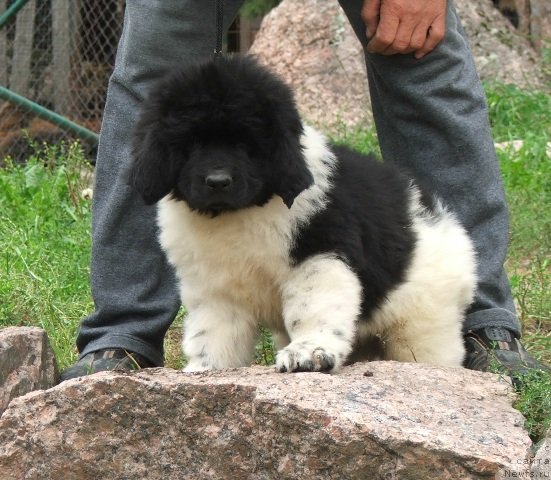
(302, 357)
(193, 366)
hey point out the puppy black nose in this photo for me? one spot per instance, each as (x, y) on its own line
(218, 180)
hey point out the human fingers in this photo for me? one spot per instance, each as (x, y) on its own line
(402, 40)
(385, 34)
(370, 16)
(407, 43)
(419, 36)
(434, 36)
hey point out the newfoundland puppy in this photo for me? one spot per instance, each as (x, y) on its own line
(266, 223)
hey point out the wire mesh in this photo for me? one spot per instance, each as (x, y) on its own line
(60, 54)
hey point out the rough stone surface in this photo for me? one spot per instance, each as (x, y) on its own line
(374, 420)
(541, 23)
(500, 52)
(541, 463)
(311, 45)
(26, 363)
(534, 19)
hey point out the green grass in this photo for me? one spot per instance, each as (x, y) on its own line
(534, 401)
(527, 176)
(362, 140)
(518, 114)
(45, 245)
(45, 240)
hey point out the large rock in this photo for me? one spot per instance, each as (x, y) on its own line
(500, 52)
(376, 420)
(27, 363)
(311, 45)
(540, 23)
(533, 19)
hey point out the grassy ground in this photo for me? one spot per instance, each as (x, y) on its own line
(527, 177)
(44, 246)
(45, 240)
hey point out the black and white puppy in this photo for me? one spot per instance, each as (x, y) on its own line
(266, 223)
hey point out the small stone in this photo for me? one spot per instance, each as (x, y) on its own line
(27, 362)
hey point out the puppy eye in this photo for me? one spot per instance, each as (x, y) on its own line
(247, 148)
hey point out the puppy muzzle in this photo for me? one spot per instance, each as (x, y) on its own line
(219, 180)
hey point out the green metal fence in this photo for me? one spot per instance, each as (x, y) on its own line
(55, 60)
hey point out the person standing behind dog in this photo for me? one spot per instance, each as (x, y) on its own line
(431, 118)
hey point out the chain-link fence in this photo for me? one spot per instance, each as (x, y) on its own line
(59, 54)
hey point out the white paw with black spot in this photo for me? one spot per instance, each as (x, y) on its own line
(302, 357)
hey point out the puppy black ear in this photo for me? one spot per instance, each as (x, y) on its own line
(293, 173)
(152, 173)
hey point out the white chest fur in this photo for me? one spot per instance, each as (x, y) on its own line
(242, 257)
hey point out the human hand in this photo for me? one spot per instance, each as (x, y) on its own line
(404, 26)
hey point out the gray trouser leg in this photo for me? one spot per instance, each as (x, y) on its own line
(432, 119)
(134, 289)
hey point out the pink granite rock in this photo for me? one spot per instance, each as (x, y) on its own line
(540, 464)
(311, 45)
(375, 420)
(26, 362)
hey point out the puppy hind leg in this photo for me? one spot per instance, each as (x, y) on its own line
(424, 337)
(321, 305)
(423, 318)
(218, 335)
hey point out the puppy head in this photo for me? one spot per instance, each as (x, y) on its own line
(221, 136)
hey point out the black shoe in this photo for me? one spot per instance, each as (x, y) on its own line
(495, 349)
(102, 360)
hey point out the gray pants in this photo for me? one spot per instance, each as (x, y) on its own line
(431, 118)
